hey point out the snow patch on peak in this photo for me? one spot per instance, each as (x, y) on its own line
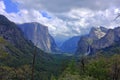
(99, 33)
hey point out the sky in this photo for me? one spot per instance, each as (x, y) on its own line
(64, 18)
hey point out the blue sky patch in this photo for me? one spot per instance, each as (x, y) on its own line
(11, 6)
(45, 14)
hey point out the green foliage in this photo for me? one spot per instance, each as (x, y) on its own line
(70, 77)
(23, 73)
(53, 78)
(2, 41)
(98, 69)
(15, 64)
(71, 72)
(6, 73)
(72, 67)
(88, 78)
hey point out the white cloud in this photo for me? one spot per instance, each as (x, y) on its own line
(71, 21)
(56, 26)
(81, 20)
(2, 7)
(67, 5)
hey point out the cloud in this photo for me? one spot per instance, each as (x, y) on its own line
(67, 5)
(66, 18)
(32, 15)
(2, 6)
(81, 20)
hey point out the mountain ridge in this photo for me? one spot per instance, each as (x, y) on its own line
(70, 45)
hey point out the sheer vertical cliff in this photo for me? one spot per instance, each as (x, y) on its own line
(39, 35)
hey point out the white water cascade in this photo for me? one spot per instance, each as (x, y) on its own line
(88, 51)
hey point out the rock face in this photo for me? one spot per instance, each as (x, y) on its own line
(39, 35)
(86, 42)
(70, 45)
(10, 32)
(14, 41)
(17, 51)
(112, 37)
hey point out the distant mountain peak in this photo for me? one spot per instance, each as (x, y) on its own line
(98, 32)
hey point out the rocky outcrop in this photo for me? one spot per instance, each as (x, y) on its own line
(10, 32)
(112, 37)
(86, 42)
(39, 35)
(16, 51)
(17, 44)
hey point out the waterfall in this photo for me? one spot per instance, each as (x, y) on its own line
(88, 51)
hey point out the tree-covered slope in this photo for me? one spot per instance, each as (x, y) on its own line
(16, 55)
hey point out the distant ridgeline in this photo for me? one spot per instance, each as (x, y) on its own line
(70, 45)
